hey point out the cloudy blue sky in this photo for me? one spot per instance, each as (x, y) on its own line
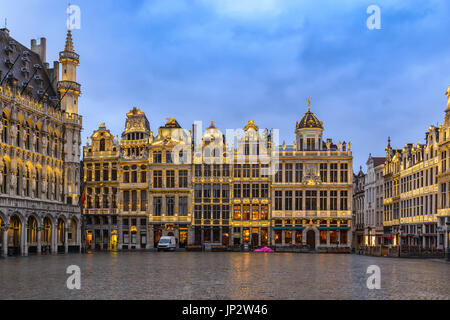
(235, 60)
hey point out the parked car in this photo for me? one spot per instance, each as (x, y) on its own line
(167, 243)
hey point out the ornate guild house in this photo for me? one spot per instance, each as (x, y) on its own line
(214, 193)
(40, 149)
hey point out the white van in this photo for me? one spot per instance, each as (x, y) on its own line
(167, 243)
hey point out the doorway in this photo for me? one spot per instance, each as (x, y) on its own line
(311, 239)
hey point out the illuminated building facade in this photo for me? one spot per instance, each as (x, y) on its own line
(373, 201)
(411, 193)
(206, 191)
(212, 184)
(359, 194)
(311, 193)
(40, 149)
(443, 215)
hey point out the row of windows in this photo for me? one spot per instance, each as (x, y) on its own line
(24, 182)
(206, 192)
(311, 200)
(212, 212)
(24, 138)
(101, 198)
(169, 201)
(130, 200)
(247, 190)
(418, 180)
(289, 172)
(419, 206)
(250, 212)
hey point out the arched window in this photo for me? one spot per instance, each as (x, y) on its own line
(27, 136)
(102, 145)
(28, 182)
(38, 178)
(49, 182)
(55, 190)
(18, 136)
(37, 146)
(4, 177)
(55, 149)
(49, 144)
(5, 121)
(18, 178)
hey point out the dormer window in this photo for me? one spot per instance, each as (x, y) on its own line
(102, 145)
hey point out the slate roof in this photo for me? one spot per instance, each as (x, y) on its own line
(38, 81)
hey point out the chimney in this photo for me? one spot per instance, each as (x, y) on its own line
(40, 49)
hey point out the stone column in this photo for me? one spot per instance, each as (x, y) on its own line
(5, 240)
(328, 238)
(293, 236)
(283, 237)
(259, 236)
(339, 237)
(150, 236)
(39, 241)
(66, 242)
(349, 238)
(24, 239)
(54, 242)
(108, 247)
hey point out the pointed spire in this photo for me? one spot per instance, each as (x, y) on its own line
(69, 42)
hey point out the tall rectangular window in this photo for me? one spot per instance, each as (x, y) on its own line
(143, 200)
(198, 170)
(288, 172)
(255, 190)
(183, 206)
(198, 193)
(288, 200)
(157, 157)
(311, 200)
(169, 157)
(298, 172)
(246, 190)
(323, 200)
(237, 170)
(255, 171)
(344, 200)
(207, 193)
(170, 179)
(216, 170)
(157, 206)
(344, 172)
(225, 192)
(323, 172)
(226, 170)
(298, 200)
(157, 179)
(333, 172)
(170, 205)
(126, 200)
(246, 171)
(278, 200)
(264, 190)
(333, 200)
(207, 170)
(183, 178)
(237, 191)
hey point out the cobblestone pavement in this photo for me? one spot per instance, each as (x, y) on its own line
(222, 275)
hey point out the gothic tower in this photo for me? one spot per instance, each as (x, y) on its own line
(69, 91)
